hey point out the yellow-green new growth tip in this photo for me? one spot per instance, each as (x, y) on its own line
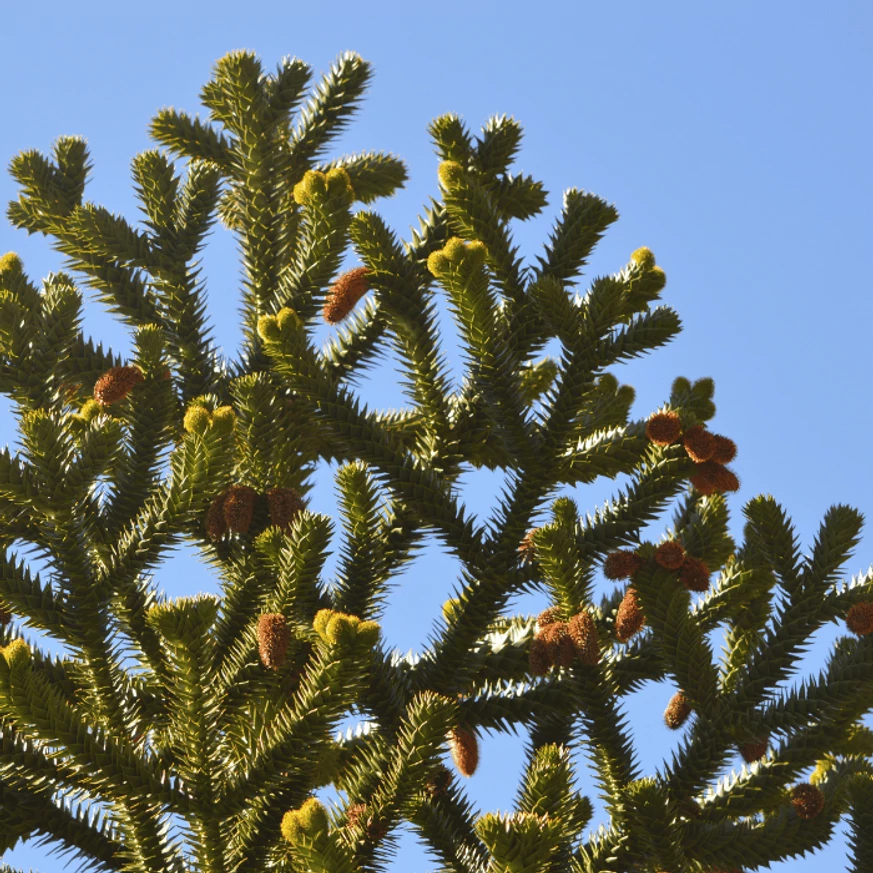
(450, 608)
(339, 184)
(644, 257)
(224, 419)
(313, 186)
(477, 252)
(310, 821)
(454, 249)
(268, 329)
(197, 420)
(10, 266)
(90, 409)
(17, 652)
(450, 173)
(319, 623)
(341, 628)
(437, 263)
(368, 633)
(287, 315)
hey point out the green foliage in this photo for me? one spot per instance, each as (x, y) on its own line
(165, 707)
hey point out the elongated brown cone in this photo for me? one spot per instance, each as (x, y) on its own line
(437, 784)
(559, 646)
(754, 750)
(273, 638)
(540, 663)
(586, 642)
(694, 574)
(698, 443)
(807, 800)
(678, 710)
(629, 618)
(664, 428)
(239, 505)
(670, 555)
(621, 564)
(725, 449)
(345, 293)
(115, 384)
(216, 526)
(527, 550)
(859, 618)
(5, 616)
(465, 750)
(285, 506)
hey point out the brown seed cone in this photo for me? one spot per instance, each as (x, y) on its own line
(345, 293)
(239, 505)
(465, 750)
(670, 555)
(621, 564)
(754, 750)
(709, 478)
(273, 638)
(5, 616)
(807, 800)
(437, 784)
(664, 428)
(549, 616)
(725, 449)
(694, 574)
(586, 642)
(859, 618)
(115, 384)
(355, 813)
(629, 618)
(216, 526)
(678, 710)
(540, 662)
(285, 506)
(527, 550)
(698, 443)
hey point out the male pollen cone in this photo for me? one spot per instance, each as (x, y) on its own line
(807, 800)
(549, 616)
(698, 443)
(670, 555)
(710, 477)
(664, 428)
(5, 616)
(465, 750)
(345, 293)
(539, 657)
(725, 449)
(273, 638)
(621, 564)
(285, 506)
(694, 574)
(216, 526)
(629, 618)
(583, 633)
(115, 384)
(754, 750)
(859, 618)
(559, 646)
(239, 506)
(678, 710)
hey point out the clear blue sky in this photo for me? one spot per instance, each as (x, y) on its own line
(733, 138)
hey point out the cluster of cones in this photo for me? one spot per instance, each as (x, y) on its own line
(622, 564)
(558, 643)
(709, 451)
(235, 508)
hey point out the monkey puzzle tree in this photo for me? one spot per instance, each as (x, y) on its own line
(221, 712)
